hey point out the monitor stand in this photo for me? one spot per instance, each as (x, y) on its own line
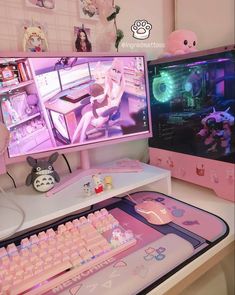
(121, 166)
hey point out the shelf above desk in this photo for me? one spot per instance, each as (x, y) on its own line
(40, 209)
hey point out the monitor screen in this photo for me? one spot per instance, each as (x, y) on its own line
(76, 75)
(48, 84)
(193, 105)
(51, 102)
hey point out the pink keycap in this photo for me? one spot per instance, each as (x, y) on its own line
(76, 222)
(104, 211)
(61, 228)
(34, 239)
(69, 225)
(98, 214)
(42, 236)
(3, 252)
(11, 248)
(91, 217)
(25, 242)
(83, 220)
(5, 261)
(50, 233)
(43, 245)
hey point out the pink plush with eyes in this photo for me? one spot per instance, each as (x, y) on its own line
(181, 42)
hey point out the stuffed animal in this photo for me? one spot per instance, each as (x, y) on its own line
(43, 176)
(180, 42)
(32, 101)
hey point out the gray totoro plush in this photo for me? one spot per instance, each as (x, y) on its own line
(43, 176)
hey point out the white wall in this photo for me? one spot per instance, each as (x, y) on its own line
(211, 20)
(59, 26)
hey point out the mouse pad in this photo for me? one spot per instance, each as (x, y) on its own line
(160, 251)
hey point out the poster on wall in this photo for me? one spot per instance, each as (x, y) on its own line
(34, 38)
(44, 4)
(82, 39)
(88, 9)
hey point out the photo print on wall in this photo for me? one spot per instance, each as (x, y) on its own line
(45, 4)
(34, 38)
(88, 9)
(82, 39)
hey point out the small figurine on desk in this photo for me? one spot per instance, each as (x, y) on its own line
(43, 176)
(108, 181)
(99, 187)
(87, 189)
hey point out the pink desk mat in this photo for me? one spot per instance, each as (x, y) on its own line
(155, 257)
(200, 222)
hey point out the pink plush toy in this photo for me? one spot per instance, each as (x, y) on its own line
(180, 42)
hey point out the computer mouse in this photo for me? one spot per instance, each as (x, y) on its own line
(154, 212)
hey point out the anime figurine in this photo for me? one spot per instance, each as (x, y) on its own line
(113, 91)
(43, 176)
(87, 188)
(82, 43)
(180, 42)
(99, 187)
(108, 181)
(4, 138)
(216, 132)
(34, 39)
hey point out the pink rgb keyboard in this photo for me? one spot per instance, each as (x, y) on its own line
(43, 261)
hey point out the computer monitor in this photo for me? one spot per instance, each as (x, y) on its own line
(75, 75)
(193, 111)
(48, 84)
(107, 111)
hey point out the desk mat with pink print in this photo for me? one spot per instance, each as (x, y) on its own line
(160, 251)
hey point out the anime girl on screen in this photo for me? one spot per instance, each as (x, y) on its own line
(104, 101)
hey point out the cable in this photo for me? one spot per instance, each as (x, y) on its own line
(129, 196)
(67, 162)
(17, 209)
(13, 180)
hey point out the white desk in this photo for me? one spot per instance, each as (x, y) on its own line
(40, 209)
(205, 199)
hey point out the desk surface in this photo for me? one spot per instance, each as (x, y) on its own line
(62, 106)
(205, 199)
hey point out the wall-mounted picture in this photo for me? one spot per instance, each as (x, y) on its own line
(82, 39)
(46, 4)
(88, 9)
(34, 39)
